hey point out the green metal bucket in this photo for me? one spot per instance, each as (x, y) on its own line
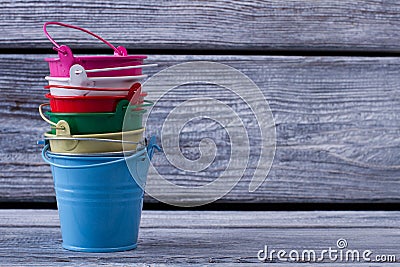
(90, 123)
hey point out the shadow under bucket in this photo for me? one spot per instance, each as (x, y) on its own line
(99, 201)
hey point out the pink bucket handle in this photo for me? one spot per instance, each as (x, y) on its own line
(120, 51)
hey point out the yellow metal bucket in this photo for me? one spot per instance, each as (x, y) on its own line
(64, 142)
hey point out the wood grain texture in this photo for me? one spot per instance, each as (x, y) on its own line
(337, 123)
(223, 238)
(363, 25)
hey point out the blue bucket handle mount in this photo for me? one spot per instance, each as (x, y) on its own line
(152, 146)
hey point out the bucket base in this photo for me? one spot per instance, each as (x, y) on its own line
(81, 249)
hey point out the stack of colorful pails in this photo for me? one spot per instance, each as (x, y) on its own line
(96, 150)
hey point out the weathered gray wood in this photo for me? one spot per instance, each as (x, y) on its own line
(247, 25)
(337, 128)
(33, 238)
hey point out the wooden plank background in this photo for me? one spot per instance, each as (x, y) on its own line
(363, 25)
(337, 118)
(337, 128)
(330, 71)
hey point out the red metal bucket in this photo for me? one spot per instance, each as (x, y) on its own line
(84, 104)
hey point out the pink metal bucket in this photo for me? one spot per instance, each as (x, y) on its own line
(120, 64)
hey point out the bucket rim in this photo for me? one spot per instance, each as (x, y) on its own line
(99, 79)
(85, 97)
(94, 156)
(112, 160)
(90, 114)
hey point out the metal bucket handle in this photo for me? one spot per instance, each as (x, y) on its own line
(122, 68)
(150, 152)
(92, 139)
(120, 51)
(60, 125)
(120, 107)
(84, 88)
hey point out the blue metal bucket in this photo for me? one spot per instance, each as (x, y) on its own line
(99, 201)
